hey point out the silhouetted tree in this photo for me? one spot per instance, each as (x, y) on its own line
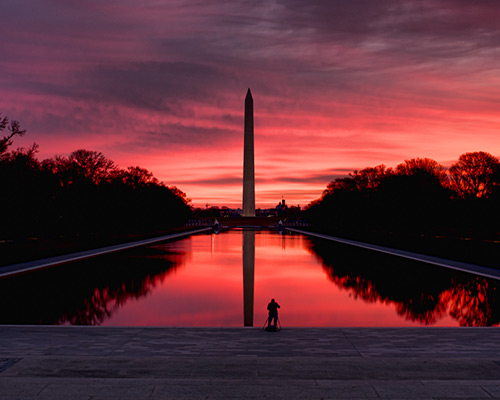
(87, 292)
(84, 193)
(474, 301)
(379, 199)
(378, 278)
(91, 165)
(60, 168)
(416, 202)
(414, 197)
(370, 178)
(22, 201)
(425, 167)
(136, 177)
(15, 129)
(23, 157)
(474, 174)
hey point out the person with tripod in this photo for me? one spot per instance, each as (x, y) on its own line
(273, 314)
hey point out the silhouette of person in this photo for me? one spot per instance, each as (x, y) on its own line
(273, 313)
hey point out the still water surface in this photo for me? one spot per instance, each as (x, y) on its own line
(226, 279)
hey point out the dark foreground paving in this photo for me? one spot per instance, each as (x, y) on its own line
(203, 363)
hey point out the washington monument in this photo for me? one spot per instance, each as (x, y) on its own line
(248, 160)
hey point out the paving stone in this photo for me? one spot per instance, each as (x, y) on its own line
(411, 389)
(10, 388)
(106, 388)
(208, 363)
(349, 389)
(491, 387)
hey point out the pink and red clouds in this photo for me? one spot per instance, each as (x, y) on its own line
(337, 86)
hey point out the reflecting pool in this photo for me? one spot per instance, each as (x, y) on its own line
(228, 279)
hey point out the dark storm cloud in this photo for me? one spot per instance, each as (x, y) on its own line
(321, 178)
(179, 136)
(155, 85)
(333, 19)
(364, 39)
(361, 20)
(218, 180)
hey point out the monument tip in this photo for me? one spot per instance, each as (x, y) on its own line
(249, 93)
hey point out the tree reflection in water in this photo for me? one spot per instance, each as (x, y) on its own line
(86, 292)
(420, 292)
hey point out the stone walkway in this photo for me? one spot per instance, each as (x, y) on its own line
(221, 363)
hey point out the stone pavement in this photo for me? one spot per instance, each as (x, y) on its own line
(220, 363)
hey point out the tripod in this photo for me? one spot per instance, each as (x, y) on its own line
(278, 325)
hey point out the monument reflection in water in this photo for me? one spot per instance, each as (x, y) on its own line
(248, 275)
(228, 279)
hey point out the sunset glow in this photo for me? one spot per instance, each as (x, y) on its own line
(337, 86)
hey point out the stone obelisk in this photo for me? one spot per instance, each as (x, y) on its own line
(248, 160)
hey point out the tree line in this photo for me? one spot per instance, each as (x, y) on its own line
(82, 193)
(419, 197)
(419, 292)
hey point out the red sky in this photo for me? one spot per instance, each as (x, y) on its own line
(338, 85)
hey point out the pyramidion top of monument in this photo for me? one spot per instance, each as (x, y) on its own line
(249, 94)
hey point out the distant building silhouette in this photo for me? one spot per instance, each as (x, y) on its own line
(281, 208)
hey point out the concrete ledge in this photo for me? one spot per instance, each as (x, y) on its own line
(21, 268)
(440, 262)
